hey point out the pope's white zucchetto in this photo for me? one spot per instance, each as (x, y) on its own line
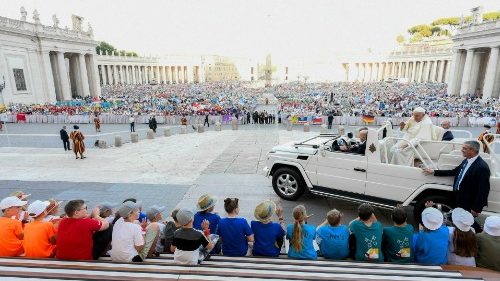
(419, 110)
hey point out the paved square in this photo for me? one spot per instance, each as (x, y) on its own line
(169, 171)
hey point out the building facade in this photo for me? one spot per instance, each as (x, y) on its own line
(474, 68)
(40, 63)
(427, 61)
(124, 70)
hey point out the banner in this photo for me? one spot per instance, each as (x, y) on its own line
(301, 119)
(368, 119)
(481, 121)
(317, 120)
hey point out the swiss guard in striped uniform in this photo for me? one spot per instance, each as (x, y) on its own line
(78, 145)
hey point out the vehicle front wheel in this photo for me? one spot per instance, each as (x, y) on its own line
(288, 183)
(441, 202)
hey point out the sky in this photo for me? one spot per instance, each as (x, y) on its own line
(306, 30)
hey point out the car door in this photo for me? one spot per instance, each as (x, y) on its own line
(342, 171)
(397, 182)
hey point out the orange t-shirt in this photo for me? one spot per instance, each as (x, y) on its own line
(10, 244)
(36, 239)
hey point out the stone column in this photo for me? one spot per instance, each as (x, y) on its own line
(167, 74)
(134, 81)
(357, 72)
(95, 86)
(491, 70)
(84, 79)
(110, 76)
(49, 77)
(426, 71)
(440, 70)
(453, 77)
(400, 69)
(103, 75)
(433, 71)
(413, 69)
(466, 78)
(127, 75)
(407, 70)
(116, 69)
(173, 69)
(158, 79)
(371, 72)
(63, 76)
(420, 72)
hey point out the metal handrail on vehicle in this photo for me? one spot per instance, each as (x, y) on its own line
(412, 147)
(463, 131)
(496, 139)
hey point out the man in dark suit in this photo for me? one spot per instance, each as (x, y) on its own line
(472, 179)
(358, 148)
(65, 138)
(448, 135)
(330, 120)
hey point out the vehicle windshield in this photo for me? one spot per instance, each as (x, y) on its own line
(319, 140)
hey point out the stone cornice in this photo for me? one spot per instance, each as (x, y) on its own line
(17, 27)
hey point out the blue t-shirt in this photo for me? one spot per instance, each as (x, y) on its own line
(398, 243)
(212, 218)
(368, 241)
(333, 241)
(234, 232)
(431, 247)
(142, 217)
(308, 236)
(266, 235)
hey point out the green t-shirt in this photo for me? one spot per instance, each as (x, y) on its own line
(488, 248)
(368, 241)
(397, 243)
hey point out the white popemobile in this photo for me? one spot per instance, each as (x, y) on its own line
(318, 166)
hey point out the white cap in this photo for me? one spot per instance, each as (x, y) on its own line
(11, 201)
(462, 219)
(419, 110)
(432, 218)
(37, 207)
(492, 225)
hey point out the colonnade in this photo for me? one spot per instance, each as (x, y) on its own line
(474, 71)
(114, 74)
(73, 74)
(411, 71)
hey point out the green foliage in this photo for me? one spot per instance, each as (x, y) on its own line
(420, 29)
(400, 39)
(490, 16)
(450, 21)
(104, 47)
(436, 30)
(417, 37)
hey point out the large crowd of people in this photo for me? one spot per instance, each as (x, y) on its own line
(132, 232)
(239, 98)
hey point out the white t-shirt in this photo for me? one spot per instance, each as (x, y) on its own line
(453, 258)
(131, 120)
(126, 236)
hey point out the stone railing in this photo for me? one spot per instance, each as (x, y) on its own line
(479, 27)
(24, 26)
(108, 59)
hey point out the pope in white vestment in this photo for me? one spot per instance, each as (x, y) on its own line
(418, 127)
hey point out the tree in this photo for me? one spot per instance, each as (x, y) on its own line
(491, 16)
(420, 29)
(400, 39)
(436, 30)
(450, 21)
(104, 47)
(417, 37)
